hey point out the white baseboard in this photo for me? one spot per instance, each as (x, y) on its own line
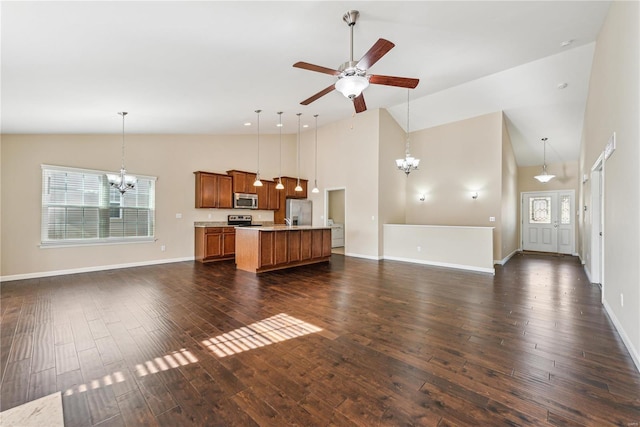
(444, 264)
(504, 260)
(373, 257)
(90, 269)
(625, 338)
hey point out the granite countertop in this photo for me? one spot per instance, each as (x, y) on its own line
(286, 227)
(224, 224)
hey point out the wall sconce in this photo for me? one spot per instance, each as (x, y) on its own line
(421, 197)
(474, 196)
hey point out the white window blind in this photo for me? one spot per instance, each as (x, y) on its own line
(80, 207)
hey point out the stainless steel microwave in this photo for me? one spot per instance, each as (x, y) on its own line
(245, 201)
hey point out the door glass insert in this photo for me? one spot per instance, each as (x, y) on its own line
(565, 208)
(540, 210)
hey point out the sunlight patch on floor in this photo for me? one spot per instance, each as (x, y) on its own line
(280, 327)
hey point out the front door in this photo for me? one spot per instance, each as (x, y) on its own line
(547, 221)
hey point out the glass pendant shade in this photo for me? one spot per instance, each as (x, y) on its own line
(122, 182)
(352, 86)
(544, 176)
(279, 186)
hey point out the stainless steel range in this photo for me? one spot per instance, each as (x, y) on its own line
(240, 220)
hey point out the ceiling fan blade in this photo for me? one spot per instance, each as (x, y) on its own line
(320, 94)
(394, 81)
(377, 51)
(359, 103)
(318, 68)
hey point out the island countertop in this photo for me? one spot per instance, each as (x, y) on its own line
(260, 249)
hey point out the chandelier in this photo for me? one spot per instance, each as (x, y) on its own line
(409, 162)
(544, 176)
(122, 182)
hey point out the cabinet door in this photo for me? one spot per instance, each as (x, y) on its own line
(326, 242)
(206, 191)
(274, 197)
(214, 244)
(228, 242)
(250, 178)
(316, 243)
(266, 249)
(280, 247)
(294, 245)
(305, 244)
(263, 195)
(225, 192)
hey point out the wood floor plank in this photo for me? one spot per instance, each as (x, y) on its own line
(397, 344)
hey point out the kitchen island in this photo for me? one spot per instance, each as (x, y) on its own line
(260, 249)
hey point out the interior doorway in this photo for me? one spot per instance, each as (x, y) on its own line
(335, 202)
(548, 221)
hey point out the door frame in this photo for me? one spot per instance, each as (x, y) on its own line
(596, 250)
(573, 216)
(326, 209)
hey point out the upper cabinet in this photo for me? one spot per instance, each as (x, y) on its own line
(268, 196)
(243, 181)
(213, 190)
(290, 188)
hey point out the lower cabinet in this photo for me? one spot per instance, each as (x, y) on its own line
(215, 243)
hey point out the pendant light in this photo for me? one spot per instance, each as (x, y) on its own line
(315, 168)
(298, 187)
(122, 182)
(279, 185)
(544, 177)
(409, 163)
(257, 182)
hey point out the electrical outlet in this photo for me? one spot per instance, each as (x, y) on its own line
(163, 248)
(209, 216)
(178, 215)
(492, 219)
(419, 248)
(621, 300)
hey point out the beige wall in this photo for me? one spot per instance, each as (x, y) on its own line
(509, 212)
(457, 159)
(171, 158)
(613, 106)
(348, 158)
(336, 206)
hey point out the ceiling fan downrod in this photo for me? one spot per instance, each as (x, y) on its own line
(350, 17)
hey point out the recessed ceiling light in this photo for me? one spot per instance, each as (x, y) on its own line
(562, 85)
(247, 124)
(566, 43)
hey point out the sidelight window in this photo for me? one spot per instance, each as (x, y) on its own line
(80, 207)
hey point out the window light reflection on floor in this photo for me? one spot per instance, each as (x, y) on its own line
(172, 360)
(280, 327)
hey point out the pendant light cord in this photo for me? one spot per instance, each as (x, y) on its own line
(298, 162)
(258, 125)
(123, 113)
(407, 142)
(315, 167)
(280, 153)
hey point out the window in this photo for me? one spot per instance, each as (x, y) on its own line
(540, 210)
(80, 207)
(565, 217)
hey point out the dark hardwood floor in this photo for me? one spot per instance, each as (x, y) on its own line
(353, 342)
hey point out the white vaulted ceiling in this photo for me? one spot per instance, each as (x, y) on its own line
(204, 67)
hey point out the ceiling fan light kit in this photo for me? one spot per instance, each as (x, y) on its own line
(352, 77)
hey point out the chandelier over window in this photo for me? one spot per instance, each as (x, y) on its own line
(409, 162)
(122, 182)
(544, 176)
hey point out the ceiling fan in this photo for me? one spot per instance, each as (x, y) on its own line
(352, 75)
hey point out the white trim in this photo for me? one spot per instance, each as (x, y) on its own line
(95, 242)
(625, 339)
(443, 264)
(92, 171)
(373, 257)
(91, 269)
(504, 260)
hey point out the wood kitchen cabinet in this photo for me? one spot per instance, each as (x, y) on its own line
(288, 193)
(213, 190)
(215, 243)
(243, 181)
(268, 197)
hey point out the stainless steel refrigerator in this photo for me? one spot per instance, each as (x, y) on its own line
(299, 211)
